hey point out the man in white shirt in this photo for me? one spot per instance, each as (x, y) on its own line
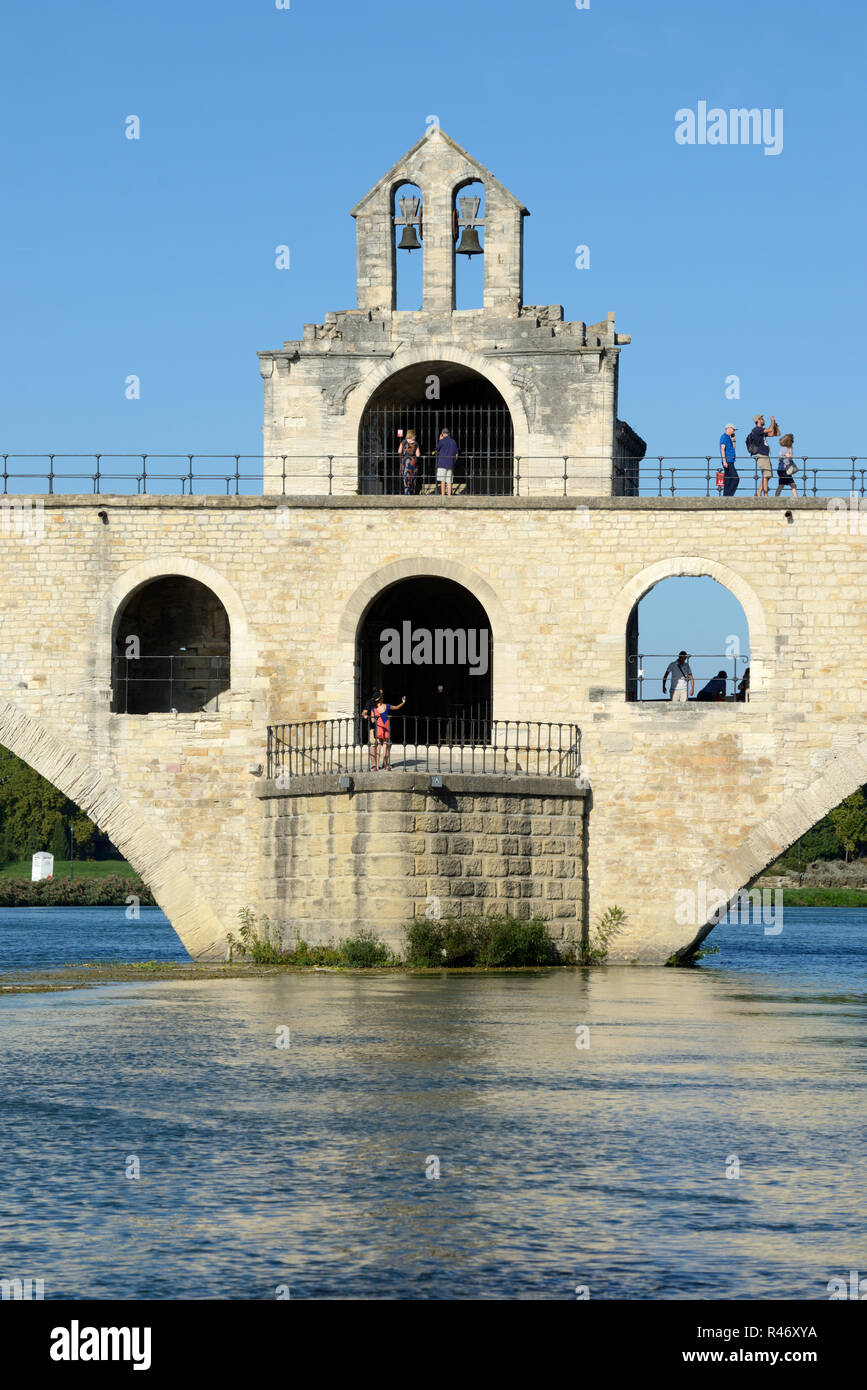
(680, 675)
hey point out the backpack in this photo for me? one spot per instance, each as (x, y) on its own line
(752, 443)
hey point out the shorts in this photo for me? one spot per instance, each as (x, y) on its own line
(678, 696)
(445, 475)
(764, 463)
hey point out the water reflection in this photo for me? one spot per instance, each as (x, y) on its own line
(558, 1166)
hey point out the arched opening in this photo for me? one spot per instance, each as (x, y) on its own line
(696, 615)
(468, 219)
(408, 239)
(428, 397)
(171, 649)
(429, 639)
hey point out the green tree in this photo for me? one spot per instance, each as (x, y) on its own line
(822, 842)
(34, 815)
(850, 822)
(59, 842)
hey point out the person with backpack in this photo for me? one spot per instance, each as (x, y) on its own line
(382, 723)
(409, 454)
(730, 475)
(786, 466)
(757, 443)
(681, 679)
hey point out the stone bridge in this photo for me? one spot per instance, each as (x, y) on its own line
(679, 796)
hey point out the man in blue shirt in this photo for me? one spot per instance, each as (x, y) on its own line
(447, 452)
(731, 476)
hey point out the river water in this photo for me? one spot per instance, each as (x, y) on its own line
(305, 1168)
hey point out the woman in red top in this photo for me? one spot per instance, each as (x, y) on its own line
(382, 712)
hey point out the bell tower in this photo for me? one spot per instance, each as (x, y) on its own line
(530, 399)
(445, 221)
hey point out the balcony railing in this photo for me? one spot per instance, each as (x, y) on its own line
(240, 475)
(179, 684)
(645, 671)
(421, 744)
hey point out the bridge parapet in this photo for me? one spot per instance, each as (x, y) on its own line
(341, 475)
(423, 744)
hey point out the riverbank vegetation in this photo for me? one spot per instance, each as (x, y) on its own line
(85, 890)
(35, 816)
(481, 942)
(824, 897)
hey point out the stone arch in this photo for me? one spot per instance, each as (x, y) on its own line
(243, 649)
(477, 186)
(799, 810)
(141, 841)
(419, 567)
(692, 566)
(358, 398)
(407, 188)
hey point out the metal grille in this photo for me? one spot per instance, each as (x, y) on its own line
(160, 684)
(484, 438)
(328, 746)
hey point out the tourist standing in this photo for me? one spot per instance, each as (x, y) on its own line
(447, 452)
(786, 466)
(382, 716)
(369, 727)
(757, 443)
(409, 454)
(680, 675)
(731, 476)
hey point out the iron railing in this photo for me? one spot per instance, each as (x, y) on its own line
(422, 744)
(483, 433)
(524, 475)
(645, 671)
(184, 684)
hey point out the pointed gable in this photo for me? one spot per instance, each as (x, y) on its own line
(431, 152)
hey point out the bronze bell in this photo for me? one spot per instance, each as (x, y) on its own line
(470, 244)
(409, 241)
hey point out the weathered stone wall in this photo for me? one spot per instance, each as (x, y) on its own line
(707, 792)
(392, 849)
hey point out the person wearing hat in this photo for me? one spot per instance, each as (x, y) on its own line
(681, 678)
(786, 466)
(731, 476)
(757, 443)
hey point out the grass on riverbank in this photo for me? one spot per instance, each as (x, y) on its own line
(825, 897)
(82, 868)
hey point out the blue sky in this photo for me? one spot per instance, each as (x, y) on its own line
(262, 126)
